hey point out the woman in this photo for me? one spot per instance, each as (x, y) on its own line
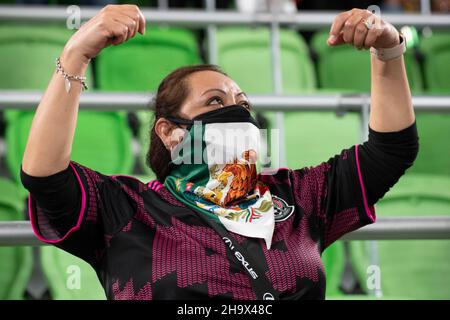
(211, 227)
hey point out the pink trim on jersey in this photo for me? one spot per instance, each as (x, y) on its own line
(73, 229)
(363, 190)
(155, 185)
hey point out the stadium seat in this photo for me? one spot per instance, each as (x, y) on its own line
(244, 54)
(434, 128)
(344, 68)
(16, 263)
(141, 64)
(242, 51)
(70, 277)
(413, 269)
(333, 260)
(36, 48)
(102, 141)
(436, 51)
(434, 150)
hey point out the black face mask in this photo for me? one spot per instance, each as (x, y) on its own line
(232, 113)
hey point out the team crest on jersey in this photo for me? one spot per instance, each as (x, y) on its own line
(281, 209)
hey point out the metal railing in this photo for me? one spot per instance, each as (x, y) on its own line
(20, 233)
(110, 101)
(310, 20)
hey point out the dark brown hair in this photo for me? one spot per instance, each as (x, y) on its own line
(171, 94)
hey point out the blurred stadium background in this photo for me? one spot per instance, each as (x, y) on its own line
(276, 50)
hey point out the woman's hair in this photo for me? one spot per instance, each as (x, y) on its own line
(172, 93)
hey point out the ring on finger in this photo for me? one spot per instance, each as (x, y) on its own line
(367, 23)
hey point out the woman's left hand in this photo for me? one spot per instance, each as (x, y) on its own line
(362, 29)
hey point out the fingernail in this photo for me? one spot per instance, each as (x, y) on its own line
(331, 38)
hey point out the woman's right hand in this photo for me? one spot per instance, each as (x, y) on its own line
(114, 24)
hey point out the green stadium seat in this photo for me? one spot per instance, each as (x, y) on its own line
(242, 51)
(145, 120)
(70, 278)
(436, 51)
(244, 54)
(141, 64)
(16, 263)
(345, 68)
(333, 260)
(434, 128)
(434, 151)
(413, 269)
(36, 47)
(102, 141)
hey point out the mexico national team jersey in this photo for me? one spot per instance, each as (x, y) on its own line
(144, 244)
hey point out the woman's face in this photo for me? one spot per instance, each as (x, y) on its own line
(208, 90)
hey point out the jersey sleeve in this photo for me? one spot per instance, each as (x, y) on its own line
(78, 209)
(341, 193)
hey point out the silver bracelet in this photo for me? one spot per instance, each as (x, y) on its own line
(68, 77)
(386, 54)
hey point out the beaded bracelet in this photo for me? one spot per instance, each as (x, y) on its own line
(68, 77)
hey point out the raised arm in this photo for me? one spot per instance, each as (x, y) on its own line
(391, 106)
(342, 192)
(51, 134)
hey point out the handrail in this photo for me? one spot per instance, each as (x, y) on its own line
(310, 20)
(404, 228)
(28, 100)
(20, 233)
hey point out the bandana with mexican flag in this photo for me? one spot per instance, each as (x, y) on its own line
(213, 171)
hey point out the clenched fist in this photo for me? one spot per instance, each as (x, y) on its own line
(114, 24)
(362, 29)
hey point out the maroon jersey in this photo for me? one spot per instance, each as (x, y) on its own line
(144, 244)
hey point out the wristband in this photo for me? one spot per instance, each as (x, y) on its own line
(386, 54)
